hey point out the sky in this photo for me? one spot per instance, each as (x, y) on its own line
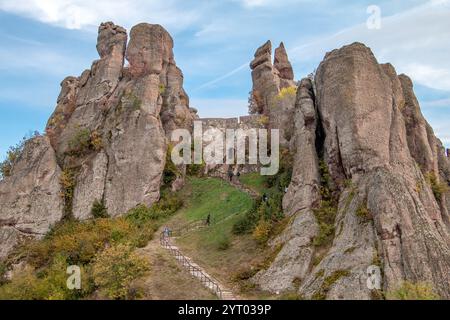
(43, 41)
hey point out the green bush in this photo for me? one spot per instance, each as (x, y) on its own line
(83, 141)
(67, 182)
(115, 269)
(49, 284)
(171, 172)
(438, 188)
(167, 205)
(195, 170)
(262, 230)
(3, 270)
(363, 212)
(248, 221)
(99, 210)
(413, 291)
(270, 211)
(326, 213)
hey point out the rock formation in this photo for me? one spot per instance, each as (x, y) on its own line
(273, 93)
(366, 128)
(107, 137)
(368, 180)
(30, 198)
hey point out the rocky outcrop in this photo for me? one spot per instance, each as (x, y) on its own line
(113, 133)
(107, 136)
(294, 260)
(282, 64)
(378, 149)
(30, 198)
(273, 93)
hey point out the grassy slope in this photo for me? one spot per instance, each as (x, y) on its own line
(205, 246)
(215, 197)
(254, 181)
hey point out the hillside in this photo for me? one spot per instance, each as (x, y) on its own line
(361, 193)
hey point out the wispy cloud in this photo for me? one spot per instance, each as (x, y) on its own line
(440, 103)
(225, 76)
(78, 14)
(414, 41)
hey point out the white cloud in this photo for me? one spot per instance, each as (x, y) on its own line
(79, 14)
(267, 3)
(414, 41)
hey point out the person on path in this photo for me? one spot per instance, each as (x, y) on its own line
(230, 175)
(166, 231)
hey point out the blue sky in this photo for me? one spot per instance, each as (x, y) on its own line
(45, 41)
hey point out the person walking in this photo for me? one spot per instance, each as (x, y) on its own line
(230, 175)
(208, 219)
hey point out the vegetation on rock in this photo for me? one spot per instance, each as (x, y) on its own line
(413, 291)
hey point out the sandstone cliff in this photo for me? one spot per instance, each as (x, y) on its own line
(369, 175)
(106, 140)
(365, 156)
(273, 93)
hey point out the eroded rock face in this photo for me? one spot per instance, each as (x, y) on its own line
(282, 63)
(122, 116)
(293, 261)
(109, 131)
(268, 96)
(30, 198)
(378, 148)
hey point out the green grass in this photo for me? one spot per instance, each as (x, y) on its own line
(216, 197)
(254, 181)
(222, 253)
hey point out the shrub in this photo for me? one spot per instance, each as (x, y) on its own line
(3, 270)
(438, 188)
(96, 140)
(287, 92)
(67, 183)
(171, 172)
(363, 213)
(84, 141)
(195, 170)
(78, 242)
(326, 213)
(263, 120)
(114, 270)
(272, 210)
(99, 210)
(262, 231)
(413, 291)
(81, 141)
(162, 88)
(325, 216)
(50, 284)
(248, 221)
(167, 205)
